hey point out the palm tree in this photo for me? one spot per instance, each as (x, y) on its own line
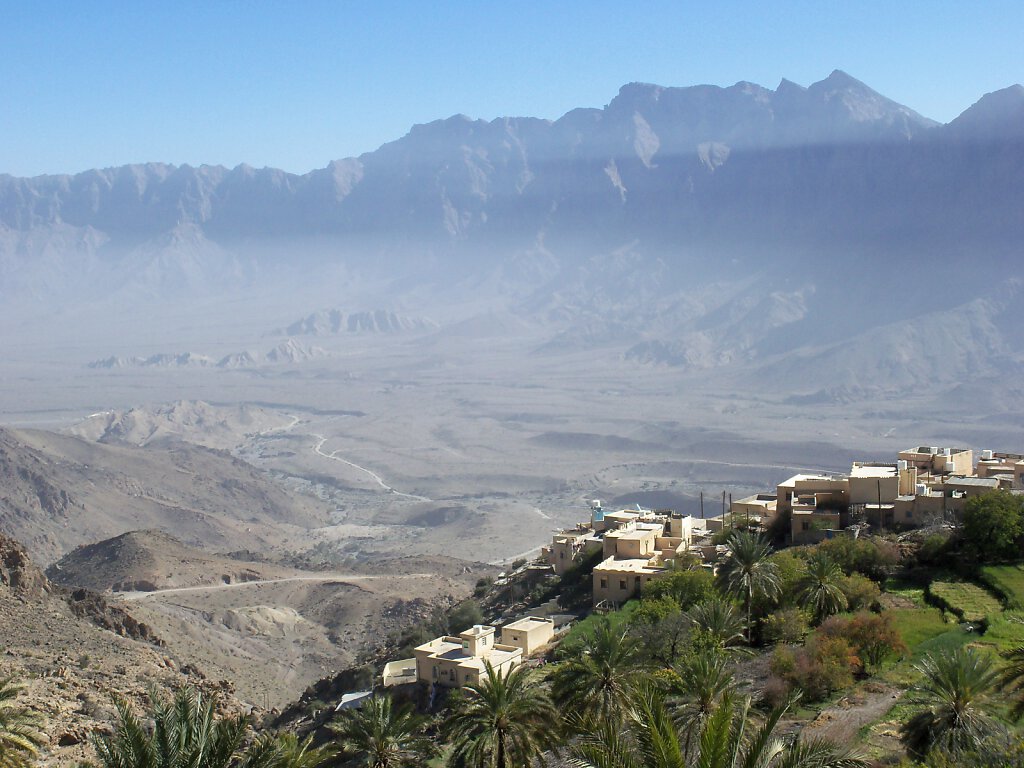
(384, 736)
(819, 588)
(20, 737)
(287, 751)
(596, 682)
(729, 738)
(747, 571)
(702, 682)
(1012, 678)
(505, 721)
(719, 621)
(954, 688)
(185, 731)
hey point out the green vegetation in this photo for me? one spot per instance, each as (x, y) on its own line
(1005, 631)
(993, 528)
(185, 731)
(919, 625)
(380, 735)
(595, 684)
(955, 690)
(747, 573)
(819, 589)
(505, 721)
(968, 601)
(1007, 581)
(576, 638)
(20, 734)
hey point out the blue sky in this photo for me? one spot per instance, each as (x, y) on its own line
(295, 85)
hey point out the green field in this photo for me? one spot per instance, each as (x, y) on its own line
(906, 589)
(1005, 631)
(918, 626)
(968, 601)
(1008, 581)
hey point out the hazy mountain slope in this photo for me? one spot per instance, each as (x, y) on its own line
(57, 492)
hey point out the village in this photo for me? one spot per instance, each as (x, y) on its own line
(925, 485)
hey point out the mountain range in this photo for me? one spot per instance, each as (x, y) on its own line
(694, 227)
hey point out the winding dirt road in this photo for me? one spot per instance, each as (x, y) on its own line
(327, 577)
(333, 456)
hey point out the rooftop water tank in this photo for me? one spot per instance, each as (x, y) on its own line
(986, 455)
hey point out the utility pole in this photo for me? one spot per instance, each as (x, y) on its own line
(881, 517)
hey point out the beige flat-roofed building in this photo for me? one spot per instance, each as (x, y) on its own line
(825, 488)
(872, 483)
(529, 634)
(456, 661)
(568, 547)
(636, 540)
(933, 460)
(759, 509)
(619, 580)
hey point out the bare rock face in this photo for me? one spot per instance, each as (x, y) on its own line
(74, 652)
(18, 573)
(93, 607)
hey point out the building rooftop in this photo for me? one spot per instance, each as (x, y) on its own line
(801, 477)
(477, 630)
(873, 470)
(976, 482)
(527, 623)
(629, 566)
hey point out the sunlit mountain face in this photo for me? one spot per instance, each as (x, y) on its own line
(839, 241)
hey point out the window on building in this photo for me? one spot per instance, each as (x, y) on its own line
(604, 583)
(805, 526)
(909, 513)
(561, 555)
(622, 583)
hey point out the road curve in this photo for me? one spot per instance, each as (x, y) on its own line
(345, 577)
(318, 449)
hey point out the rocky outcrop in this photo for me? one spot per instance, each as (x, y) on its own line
(18, 573)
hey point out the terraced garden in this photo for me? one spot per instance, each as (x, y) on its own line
(965, 599)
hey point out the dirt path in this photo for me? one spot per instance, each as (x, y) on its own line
(841, 722)
(346, 577)
(318, 449)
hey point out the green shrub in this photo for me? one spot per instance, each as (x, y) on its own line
(934, 549)
(860, 591)
(686, 588)
(873, 637)
(826, 664)
(871, 557)
(788, 625)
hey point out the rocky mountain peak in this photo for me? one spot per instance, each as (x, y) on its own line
(996, 115)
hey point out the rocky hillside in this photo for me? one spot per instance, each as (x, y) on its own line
(151, 560)
(58, 492)
(74, 651)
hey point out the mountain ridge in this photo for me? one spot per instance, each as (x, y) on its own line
(600, 227)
